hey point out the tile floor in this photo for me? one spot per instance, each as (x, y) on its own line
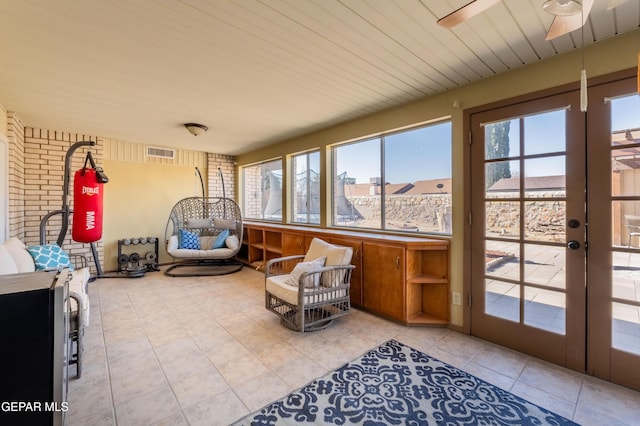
(204, 351)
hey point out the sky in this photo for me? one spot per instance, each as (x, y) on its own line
(416, 154)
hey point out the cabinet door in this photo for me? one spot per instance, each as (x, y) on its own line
(356, 260)
(383, 279)
(292, 244)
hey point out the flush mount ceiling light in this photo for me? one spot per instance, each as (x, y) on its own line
(196, 129)
(562, 7)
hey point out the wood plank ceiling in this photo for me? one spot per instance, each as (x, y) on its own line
(256, 72)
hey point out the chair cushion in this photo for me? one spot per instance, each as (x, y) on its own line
(20, 255)
(302, 267)
(199, 223)
(277, 285)
(224, 223)
(232, 242)
(220, 239)
(7, 264)
(188, 240)
(49, 257)
(336, 256)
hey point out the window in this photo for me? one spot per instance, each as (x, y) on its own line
(262, 190)
(305, 188)
(399, 181)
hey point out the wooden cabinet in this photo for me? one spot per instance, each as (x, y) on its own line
(404, 278)
(293, 243)
(383, 279)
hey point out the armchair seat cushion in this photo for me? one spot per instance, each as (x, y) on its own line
(277, 285)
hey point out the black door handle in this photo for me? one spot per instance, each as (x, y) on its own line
(573, 245)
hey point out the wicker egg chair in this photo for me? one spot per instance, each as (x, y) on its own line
(204, 236)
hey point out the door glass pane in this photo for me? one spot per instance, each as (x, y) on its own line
(502, 299)
(545, 220)
(545, 309)
(502, 139)
(544, 265)
(502, 179)
(545, 133)
(626, 276)
(626, 328)
(503, 259)
(625, 222)
(545, 177)
(625, 121)
(502, 219)
(625, 171)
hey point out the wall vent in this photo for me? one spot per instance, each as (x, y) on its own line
(153, 151)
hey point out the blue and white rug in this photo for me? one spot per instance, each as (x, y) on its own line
(394, 384)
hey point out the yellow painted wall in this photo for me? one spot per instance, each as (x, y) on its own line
(138, 200)
(3, 121)
(616, 54)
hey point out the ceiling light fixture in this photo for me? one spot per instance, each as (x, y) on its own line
(196, 129)
(562, 7)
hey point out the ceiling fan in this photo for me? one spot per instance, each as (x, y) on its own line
(570, 15)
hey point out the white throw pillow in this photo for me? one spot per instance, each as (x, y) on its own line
(336, 256)
(198, 223)
(301, 268)
(232, 242)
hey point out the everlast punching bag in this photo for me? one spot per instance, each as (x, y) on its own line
(88, 202)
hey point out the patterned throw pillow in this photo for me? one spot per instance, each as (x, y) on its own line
(220, 241)
(188, 240)
(49, 257)
(302, 267)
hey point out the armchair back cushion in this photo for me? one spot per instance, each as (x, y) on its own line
(336, 256)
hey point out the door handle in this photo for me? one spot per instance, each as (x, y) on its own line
(573, 245)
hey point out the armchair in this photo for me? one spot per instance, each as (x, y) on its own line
(308, 292)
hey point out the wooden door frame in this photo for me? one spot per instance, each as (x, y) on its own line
(468, 172)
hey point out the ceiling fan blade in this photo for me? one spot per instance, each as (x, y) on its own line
(467, 11)
(562, 25)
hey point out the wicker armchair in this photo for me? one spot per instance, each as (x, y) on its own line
(319, 295)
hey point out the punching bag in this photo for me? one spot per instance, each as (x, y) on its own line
(87, 202)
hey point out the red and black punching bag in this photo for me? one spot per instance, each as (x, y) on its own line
(87, 203)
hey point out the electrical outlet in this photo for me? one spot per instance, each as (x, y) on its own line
(457, 298)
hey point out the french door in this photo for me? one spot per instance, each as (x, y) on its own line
(555, 265)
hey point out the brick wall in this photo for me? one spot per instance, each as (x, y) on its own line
(15, 136)
(226, 165)
(44, 163)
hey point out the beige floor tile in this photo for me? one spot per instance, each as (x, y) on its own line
(193, 389)
(221, 409)
(147, 408)
(205, 351)
(262, 390)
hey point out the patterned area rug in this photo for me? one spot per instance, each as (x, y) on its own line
(394, 384)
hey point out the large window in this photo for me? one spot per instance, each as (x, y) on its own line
(305, 188)
(262, 190)
(397, 181)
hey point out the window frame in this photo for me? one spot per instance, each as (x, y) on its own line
(380, 137)
(263, 205)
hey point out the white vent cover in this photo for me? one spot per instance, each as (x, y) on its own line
(153, 151)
